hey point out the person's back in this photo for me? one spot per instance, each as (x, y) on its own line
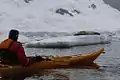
(12, 51)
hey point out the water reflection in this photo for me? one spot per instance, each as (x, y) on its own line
(35, 75)
(102, 73)
(21, 75)
(46, 74)
(49, 75)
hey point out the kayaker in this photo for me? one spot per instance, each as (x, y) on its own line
(12, 51)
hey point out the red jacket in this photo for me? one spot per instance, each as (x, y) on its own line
(17, 48)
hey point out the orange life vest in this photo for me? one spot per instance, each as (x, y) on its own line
(6, 44)
(6, 55)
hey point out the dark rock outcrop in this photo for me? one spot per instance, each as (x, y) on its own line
(93, 6)
(63, 11)
(76, 11)
(27, 1)
(86, 33)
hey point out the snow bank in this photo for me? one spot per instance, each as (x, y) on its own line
(40, 15)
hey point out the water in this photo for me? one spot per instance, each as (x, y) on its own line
(109, 65)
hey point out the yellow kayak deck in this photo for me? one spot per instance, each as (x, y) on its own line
(73, 61)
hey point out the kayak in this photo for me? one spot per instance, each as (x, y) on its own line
(73, 61)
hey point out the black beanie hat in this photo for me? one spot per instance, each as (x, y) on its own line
(13, 34)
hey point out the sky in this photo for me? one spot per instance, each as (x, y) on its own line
(40, 15)
(113, 3)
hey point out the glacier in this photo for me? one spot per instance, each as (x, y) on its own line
(40, 15)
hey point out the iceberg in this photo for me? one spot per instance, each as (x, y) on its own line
(70, 41)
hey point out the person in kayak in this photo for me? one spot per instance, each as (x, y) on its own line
(12, 51)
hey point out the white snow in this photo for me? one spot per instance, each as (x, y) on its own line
(39, 15)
